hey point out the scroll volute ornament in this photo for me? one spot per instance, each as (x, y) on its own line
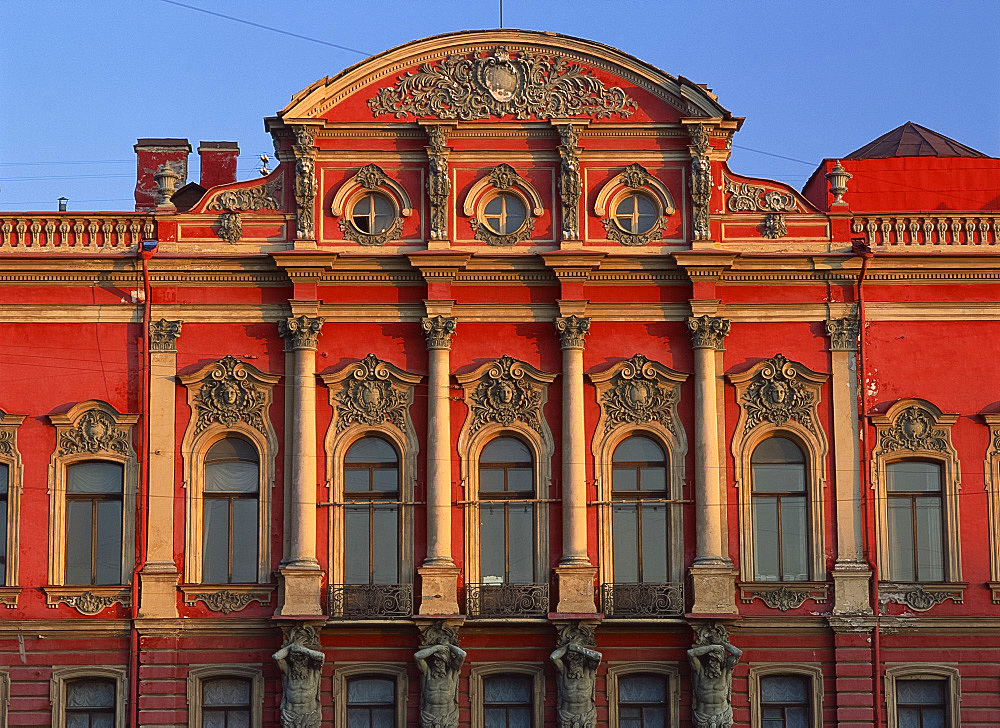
(92, 428)
(370, 393)
(638, 392)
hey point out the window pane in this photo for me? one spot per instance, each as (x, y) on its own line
(642, 689)
(371, 691)
(777, 450)
(913, 475)
(231, 448)
(357, 480)
(356, 544)
(783, 689)
(638, 449)
(494, 206)
(232, 477)
(385, 480)
(109, 542)
(774, 478)
(930, 541)
(102, 720)
(245, 540)
(521, 544)
(94, 478)
(765, 528)
(358, 718)
(490, 480)
(386, 548)
(90, 694)
(238, 719)
(492, 547)
(509, 689)
(494, 718)
(226, 692)
(520, 480)
(519, 717)
(371, 450)
(653, 479)
(794, 539)
(624, 525)
(215, 558)
(920, 692)
(797, 717)
(654, 717)
(383, 718)
(4, 475)
(625, 479)
(900, 539)
(654, 544)
(78, 525)
(506, 450)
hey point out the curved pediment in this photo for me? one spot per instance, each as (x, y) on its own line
(505, 74)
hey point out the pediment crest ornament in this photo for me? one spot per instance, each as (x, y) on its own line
(96, 431)
(475, 86)
(228, 396)
(369, 397)
(914, 429)
(264, 196)
(505, 395)
(776, 395)
(638, 397)
(748, 197)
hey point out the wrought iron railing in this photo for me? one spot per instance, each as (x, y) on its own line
(370, 601)
(506, 600)
(642, 600)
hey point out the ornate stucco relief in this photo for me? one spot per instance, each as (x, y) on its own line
(701, 180)
(634, 177)
(748, 197)
(304, 148)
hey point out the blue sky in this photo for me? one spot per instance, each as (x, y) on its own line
(80, 81)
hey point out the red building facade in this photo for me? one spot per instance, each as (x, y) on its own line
(503, 357)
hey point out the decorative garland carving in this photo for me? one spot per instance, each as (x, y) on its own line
(503, 395)
(88, 602)
(226, 601)
(784, 597)
(614, 232)
(305, 180)
(914, 429)
(843, 333)
(95, 432)
(776, 395)
(230, 227)
(439, 330)
(773, 227)
(637, 397)
(369, 397)
(572, 331)
(476, 87)
(265, 196)
(708, 332)
(570, 184)
(300, 332)
(919, 599)
(747, 197)
(483, 233)
(438, 184)
(701, 180)
(229, 396)
(163, 335)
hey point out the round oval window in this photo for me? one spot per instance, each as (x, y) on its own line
(504, 214)
(636, 214)
(373, 213)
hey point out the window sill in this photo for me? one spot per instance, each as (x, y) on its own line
(227, 598)
(784, 595)
(920, 597)
(88, 599)
(8, 596)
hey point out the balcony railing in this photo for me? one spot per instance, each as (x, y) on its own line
(73, 232)
(916, 229)
(370, 601)
(642, 600)
(506, 600)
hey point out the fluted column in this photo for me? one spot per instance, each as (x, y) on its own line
(439, 586)
(712, 579)
(299, 568)
(575, 574)
(159, 575)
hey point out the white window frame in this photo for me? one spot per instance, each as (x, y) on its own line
(197, 676)
(915, 671)
(815, 694)
(62, 676)
(618, 670)
(387, 670)
(479, 672)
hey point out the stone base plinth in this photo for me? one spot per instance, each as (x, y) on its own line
(158, 597)
(851, 585)
(438, 589)
(299, 593)
(714, 589)
(576, 589)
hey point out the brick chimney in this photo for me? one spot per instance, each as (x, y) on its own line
(150, 155)
(218, 163)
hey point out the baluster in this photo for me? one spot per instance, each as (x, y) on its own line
(50, 229)
(942, 228)
(970, 228)
(871, 227)
(36, 232)
(63, 234)
(886, 227)
(78, 233)
(22, 228)
(134, 228)
(956, 230)
(92, 233)
(5, 229)
(914, 227)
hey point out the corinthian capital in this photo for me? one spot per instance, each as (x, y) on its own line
(708, 332)
(572, 330)
(163, 335)
(300, 332)
(843, 333)
(438, 330)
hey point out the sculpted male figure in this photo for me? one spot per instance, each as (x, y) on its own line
(712, 674)
(440, 665)
(300, 675)
(577, 667)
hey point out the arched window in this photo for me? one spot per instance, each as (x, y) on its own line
(371, 512)
(915, 510)
(94, 528)
(506, 512)
(639, 513)
(780, 511)
(90, 703)
(371, 702)
(226, 702)
(232, 489)
(507, 701)
(5, 518)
